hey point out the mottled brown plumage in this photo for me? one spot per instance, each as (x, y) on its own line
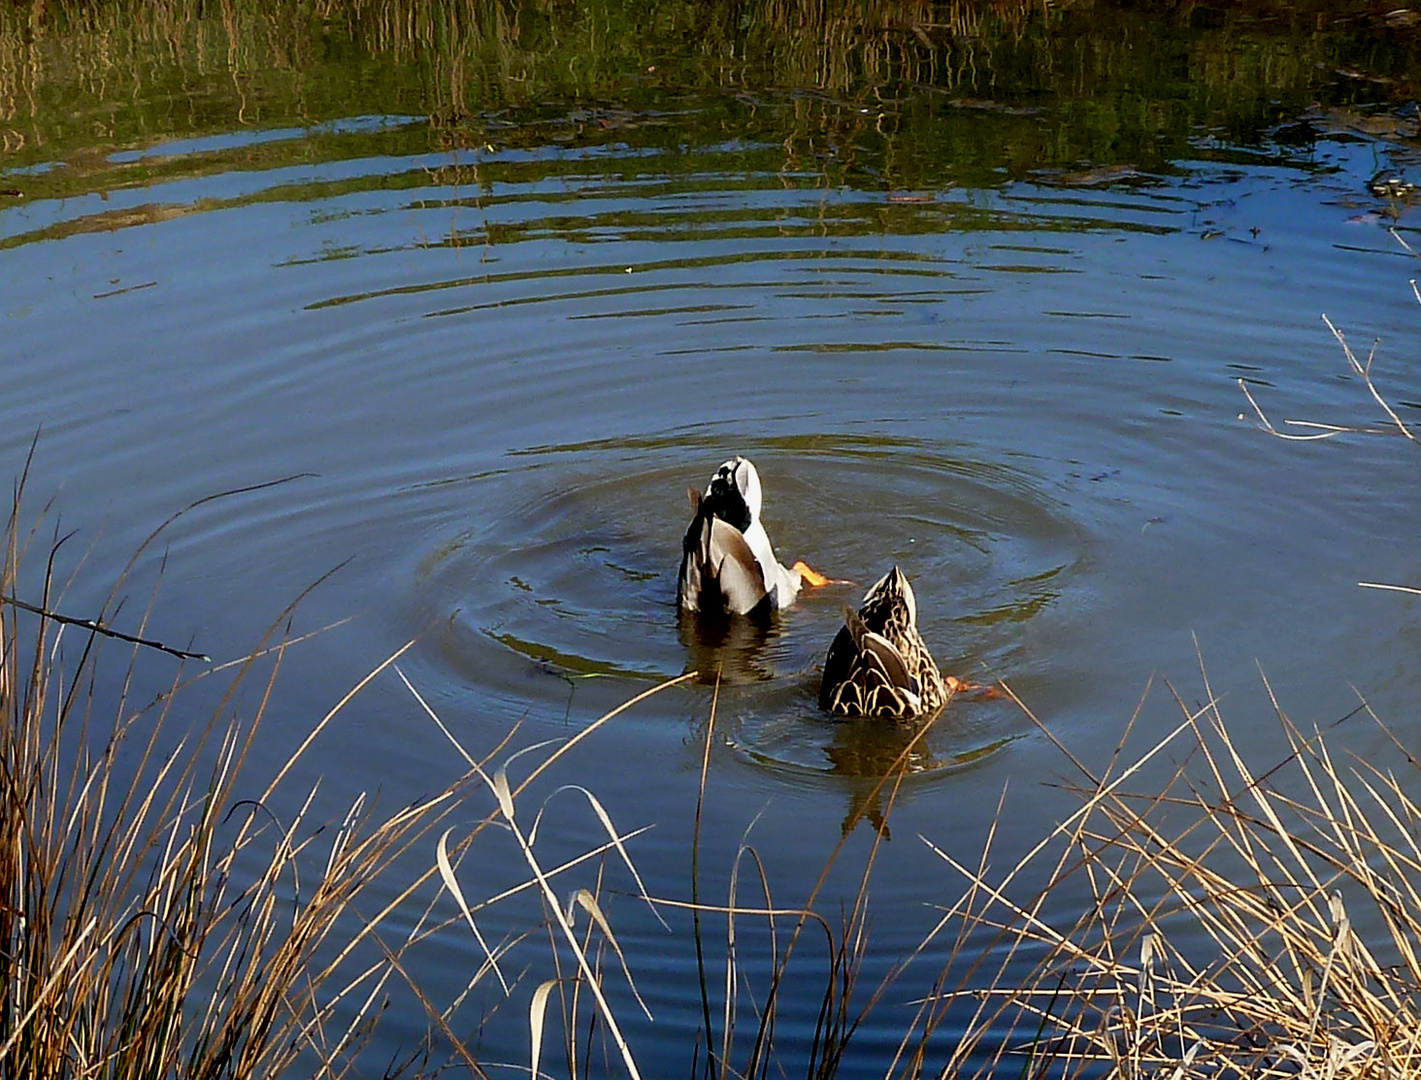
(878, 664)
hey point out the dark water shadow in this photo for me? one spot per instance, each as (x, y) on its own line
(730, 649)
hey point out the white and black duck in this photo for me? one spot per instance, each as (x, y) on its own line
(727, 563)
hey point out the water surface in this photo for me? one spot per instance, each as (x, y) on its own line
(492, 364)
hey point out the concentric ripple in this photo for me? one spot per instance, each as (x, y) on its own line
(567, 573)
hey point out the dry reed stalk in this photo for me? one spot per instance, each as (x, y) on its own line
(160, 915)
(586, 948)
(1328, 431)
(1237, 923)
(1362, 371)
(584, 951)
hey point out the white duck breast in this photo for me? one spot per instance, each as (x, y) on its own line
(727, 563)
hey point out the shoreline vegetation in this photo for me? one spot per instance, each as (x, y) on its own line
(163, 918)
(159, 918)
(1079, 84)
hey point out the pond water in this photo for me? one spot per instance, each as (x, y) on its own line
(491, 359)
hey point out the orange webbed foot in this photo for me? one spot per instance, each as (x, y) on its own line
(811, 576)
(978, 691)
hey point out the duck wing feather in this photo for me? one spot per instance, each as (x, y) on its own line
(866, 675)
(718, 569)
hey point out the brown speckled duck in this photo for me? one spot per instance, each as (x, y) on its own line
(878, 665)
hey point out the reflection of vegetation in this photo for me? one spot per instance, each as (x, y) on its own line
(565, 663)
(883, 93)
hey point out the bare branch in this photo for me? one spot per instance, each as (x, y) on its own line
(1366, 376)
(100, 628)
(1391, 588)
(1267, 424)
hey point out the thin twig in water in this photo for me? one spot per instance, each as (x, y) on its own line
(1392, 588)
(1267, 424)
(100, 628)
(95, 625)
(1327, 431)
(1366, 375)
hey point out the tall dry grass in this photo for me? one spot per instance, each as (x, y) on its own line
(1238, 921)
(162, 913)
(1233, 921)
(572, 1016)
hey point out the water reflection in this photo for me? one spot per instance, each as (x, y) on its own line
(871, 754)
(882, 97)
(731, 649)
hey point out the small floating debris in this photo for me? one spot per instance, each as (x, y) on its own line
(997, 107)
(1379, 125)
(1390, 185)
(1103, 174)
